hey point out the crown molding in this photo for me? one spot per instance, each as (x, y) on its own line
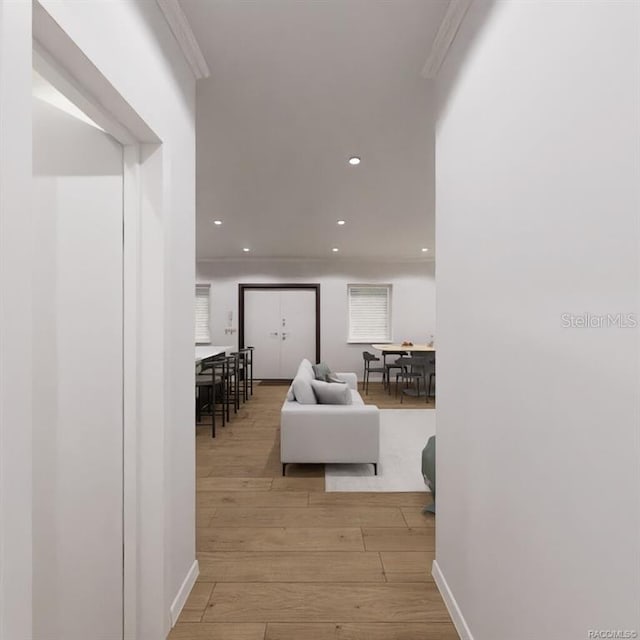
(181, 29)
(447, 31)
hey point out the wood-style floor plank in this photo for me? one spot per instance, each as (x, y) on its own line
(300, 602)
(407, 566)
(218, 631)
(395, 539)
(199, 596)
(361, 631)
(356, 498)
(306, 566)
(415, 517)
(298, 484)
(279, 539)
(252, 499)
(233, 484)
(309, 517)
(190, 615)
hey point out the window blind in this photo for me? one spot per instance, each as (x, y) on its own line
(202, 314)
(369, 313)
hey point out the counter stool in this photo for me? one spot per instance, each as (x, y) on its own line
(210, 382)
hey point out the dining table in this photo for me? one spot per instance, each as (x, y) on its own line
(204, 351)
(394, 348)
(397, 349)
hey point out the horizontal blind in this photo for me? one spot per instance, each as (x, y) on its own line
(369, 313)
(202, 314)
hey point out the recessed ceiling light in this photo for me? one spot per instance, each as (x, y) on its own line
(424, 249)
(335, 249)
(354, 160)
(218, 222)
(341, 222)
(246, 249)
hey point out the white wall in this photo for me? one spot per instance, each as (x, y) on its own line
(130, 44)
(15, 320)
(413, 298)
(538, 178)
(78, 423)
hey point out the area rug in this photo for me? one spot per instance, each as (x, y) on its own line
(403, 436)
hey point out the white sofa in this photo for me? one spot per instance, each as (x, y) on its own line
(318, 433)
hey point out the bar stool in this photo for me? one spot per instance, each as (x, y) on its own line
(232, 382)
(243, 371)
(250, 351)
(210, 381)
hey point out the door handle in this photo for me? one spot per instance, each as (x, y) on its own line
(273, 333)
(284, 335)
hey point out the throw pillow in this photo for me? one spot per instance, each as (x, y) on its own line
(290, 396)
(332, 377)
(331, 392)
(303, 391)
(321, 371)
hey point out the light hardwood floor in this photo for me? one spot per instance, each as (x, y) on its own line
(280, 559)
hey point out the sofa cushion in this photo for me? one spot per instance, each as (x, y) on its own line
(302, 390)
(321, 371)
(305, 369)
(331, 392)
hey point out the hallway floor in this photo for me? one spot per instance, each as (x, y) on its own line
(280, 559)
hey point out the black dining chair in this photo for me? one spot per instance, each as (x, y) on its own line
(388, 366)
(414, 368)
(368, 369)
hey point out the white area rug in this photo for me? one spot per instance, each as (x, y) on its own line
(403, 436)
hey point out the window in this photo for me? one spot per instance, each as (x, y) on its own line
(202, 314)
(369, 312)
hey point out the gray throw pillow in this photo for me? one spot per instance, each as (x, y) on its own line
(331, 392)
(303, 391)
(321, 371)
(332, 377)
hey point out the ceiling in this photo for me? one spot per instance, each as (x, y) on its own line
(296, 88)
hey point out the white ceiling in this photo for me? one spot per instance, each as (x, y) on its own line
(296, 88)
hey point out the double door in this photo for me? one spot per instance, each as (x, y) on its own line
(281, 325)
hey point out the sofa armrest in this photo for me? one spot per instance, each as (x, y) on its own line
(350, 378)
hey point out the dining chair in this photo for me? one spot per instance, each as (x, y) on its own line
(368, 369)
(413, 369)
(388, 366)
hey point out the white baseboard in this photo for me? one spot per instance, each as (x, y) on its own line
(450, 602)
(183, 593)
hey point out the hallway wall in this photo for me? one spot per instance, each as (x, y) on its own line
(130, 44)
(538, 222)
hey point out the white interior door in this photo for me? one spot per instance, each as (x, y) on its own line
(78, 377)
(262, 331)
(298, 329)
(281, 325)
